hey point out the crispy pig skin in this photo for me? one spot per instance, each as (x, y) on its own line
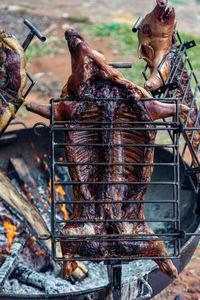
(93, 78)
(158, 43)
(155, 38)
(12, 77)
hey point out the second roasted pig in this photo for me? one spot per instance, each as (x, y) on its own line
(113, 156)
(13, 77)
(157, 44)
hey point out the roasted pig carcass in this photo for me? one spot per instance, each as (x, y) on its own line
(12, 77)
(112, 156)
(155, 37)
(157, 44)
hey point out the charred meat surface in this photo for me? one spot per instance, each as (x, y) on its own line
(158, 44)
(92, 79)
(12, 77)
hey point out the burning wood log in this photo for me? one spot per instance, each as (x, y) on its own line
(33, 220)
(11, 259)
(24, 177)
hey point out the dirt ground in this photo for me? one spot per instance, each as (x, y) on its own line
(53, 71)
(188, 11)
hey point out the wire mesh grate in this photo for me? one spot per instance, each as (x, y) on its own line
(172, 199)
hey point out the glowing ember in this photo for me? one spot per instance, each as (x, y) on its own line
(38, 159)
(35, 247)
(48, 192)
(11, 234)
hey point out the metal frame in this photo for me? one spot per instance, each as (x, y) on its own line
(172, 127)
(170, 84)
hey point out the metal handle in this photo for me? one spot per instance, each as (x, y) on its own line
(144, 285)
(137, 24)
(18, 123)
(120, 64)
(34, 32)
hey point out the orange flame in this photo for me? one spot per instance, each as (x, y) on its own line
(38, 159)
(58, 190)
(64, 210)
(11, 234)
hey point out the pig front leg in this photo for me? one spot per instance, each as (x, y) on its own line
(160, 110)
(62, 110)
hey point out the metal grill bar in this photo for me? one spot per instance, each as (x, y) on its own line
(114, 221)
(61, 145)
(116, 202)
(66, 164)
(123, 259)
(117, 182)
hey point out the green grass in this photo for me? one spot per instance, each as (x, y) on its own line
(40, 49)
(127, 43)
(19, 12)
(78, 19)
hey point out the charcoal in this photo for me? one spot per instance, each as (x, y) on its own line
(11, 259)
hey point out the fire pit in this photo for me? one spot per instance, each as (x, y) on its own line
(33, 148)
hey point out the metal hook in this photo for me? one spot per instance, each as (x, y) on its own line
(37, 125)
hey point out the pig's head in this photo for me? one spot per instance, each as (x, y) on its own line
(83, 58)
(91, 74)
(155, 38)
